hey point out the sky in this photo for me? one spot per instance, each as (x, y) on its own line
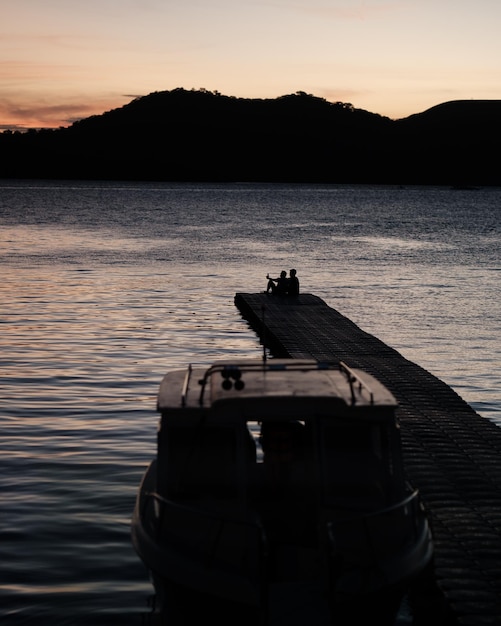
(64, 60)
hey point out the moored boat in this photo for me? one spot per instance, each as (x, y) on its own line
(279, 487)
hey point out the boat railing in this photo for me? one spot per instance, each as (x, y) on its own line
(355, 382)
(186, 384)
(235, 518)
(233, 374)
(223, 516)
(401, 523)
(244, 532)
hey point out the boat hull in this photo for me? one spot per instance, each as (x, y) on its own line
(187, 585)
(279, 489)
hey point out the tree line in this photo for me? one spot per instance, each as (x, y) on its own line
(182, 135)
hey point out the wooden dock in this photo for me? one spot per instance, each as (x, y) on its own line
(452, 454)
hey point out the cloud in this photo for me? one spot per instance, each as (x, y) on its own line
(21, 114)
(350, 11)
(340, 94)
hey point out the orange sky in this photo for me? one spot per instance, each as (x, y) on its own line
(61, 60)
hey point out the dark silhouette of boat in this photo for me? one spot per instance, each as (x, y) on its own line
(278, 488)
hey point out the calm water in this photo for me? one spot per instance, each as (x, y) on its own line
(106, 286)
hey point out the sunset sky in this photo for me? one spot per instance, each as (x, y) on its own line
(61, 60)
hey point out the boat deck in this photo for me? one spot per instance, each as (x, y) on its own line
(452, 454)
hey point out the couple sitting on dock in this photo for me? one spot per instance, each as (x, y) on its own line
(283, 286)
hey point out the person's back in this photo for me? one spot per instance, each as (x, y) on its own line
(293, 286)
(286, 494)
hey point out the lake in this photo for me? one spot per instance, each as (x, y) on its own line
(106, 286)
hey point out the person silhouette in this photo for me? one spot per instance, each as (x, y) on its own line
(280, 288)
(293, 284)
(284, 484)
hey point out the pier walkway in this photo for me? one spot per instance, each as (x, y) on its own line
(452, 454)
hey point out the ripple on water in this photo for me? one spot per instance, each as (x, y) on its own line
(98, 304)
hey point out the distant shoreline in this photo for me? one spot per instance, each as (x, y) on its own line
(183, 136)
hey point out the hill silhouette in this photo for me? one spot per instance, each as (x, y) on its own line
(182, 135)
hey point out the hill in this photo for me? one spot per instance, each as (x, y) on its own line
(184, 135)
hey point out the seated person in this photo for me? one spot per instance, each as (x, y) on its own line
(293, 284)
(280, 288)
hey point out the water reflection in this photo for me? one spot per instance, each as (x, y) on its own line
(105, 287)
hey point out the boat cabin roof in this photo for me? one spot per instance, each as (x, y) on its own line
(283, 386)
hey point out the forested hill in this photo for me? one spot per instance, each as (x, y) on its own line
(184, 135)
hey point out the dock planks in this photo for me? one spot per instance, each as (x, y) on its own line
(452, 454)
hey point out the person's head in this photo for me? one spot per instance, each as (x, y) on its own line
(281, 441)
(292, 273)
(283, 274)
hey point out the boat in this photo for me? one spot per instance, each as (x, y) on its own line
(278, 496)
